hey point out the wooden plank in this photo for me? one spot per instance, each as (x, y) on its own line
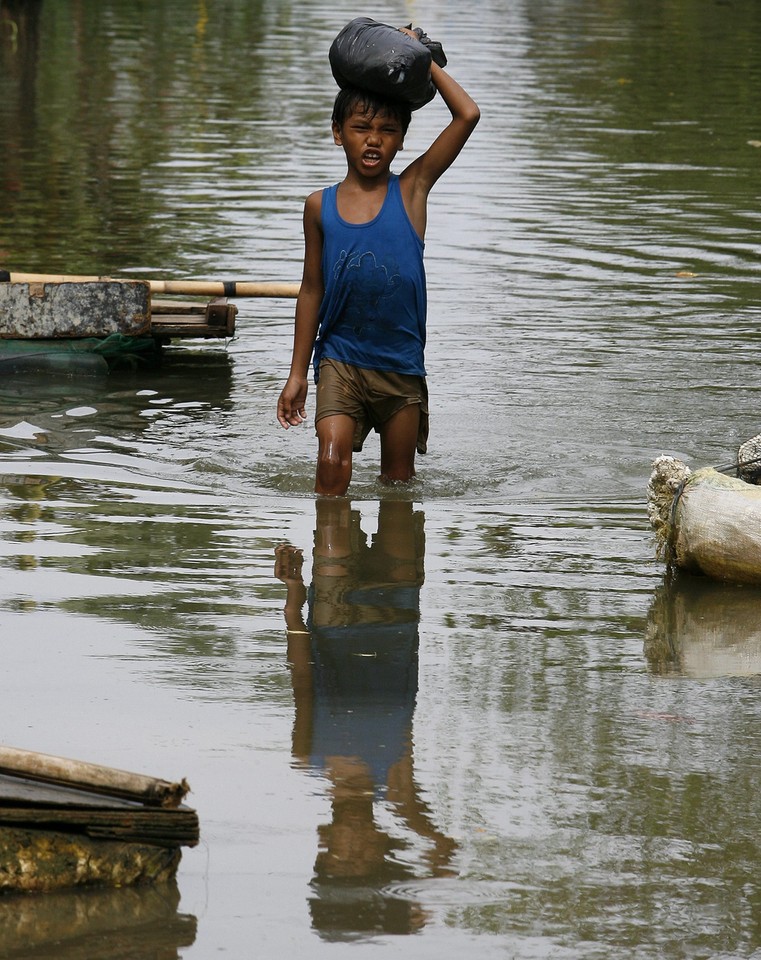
(161, 307)
(174, 828)
(65, 310)
(209, 319)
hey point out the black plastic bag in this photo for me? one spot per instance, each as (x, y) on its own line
(437, 51)
(374, 56)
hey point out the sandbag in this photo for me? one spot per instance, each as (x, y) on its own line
(377, 57)
(705, 521)
(749, 460)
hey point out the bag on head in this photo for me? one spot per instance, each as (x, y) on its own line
(377, 57)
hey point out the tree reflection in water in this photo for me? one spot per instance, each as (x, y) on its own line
(354, 668)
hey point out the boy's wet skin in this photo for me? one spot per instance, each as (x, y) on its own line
(340, 315)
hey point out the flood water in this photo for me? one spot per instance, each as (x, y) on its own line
(503, 731)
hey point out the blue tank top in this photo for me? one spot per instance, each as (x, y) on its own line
(373, 311)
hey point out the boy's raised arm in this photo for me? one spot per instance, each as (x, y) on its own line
(423, 172)
(465, 115)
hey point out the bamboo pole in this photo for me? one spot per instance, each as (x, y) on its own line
(90, 776)
(199, 288)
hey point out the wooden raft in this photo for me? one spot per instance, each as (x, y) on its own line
(56, 306)
(75, 310)
(171, 319)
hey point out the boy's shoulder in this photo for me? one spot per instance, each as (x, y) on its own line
(313, 204)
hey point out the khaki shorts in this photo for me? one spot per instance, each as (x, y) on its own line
(369, 397)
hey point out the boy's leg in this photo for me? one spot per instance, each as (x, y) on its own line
(335, 436)
(398, 436)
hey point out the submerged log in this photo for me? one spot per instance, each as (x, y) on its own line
(91, 776)
(38, 861)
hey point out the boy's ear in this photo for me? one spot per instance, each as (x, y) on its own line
(336, 134)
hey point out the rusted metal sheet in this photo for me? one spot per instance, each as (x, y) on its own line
(66, 310)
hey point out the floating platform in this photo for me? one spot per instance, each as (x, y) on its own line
(64, 823)
(40, 310)
(71, 326)
(177, 319)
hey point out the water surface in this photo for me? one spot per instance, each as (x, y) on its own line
(569, 768)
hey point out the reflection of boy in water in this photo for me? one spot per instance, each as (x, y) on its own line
(354, 672)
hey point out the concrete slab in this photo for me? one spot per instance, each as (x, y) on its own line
(78, 309)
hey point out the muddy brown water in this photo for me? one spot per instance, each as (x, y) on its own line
(528, 743)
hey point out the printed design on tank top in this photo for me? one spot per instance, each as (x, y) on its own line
(367, 284)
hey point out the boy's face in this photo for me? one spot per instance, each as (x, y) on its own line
(370, 141)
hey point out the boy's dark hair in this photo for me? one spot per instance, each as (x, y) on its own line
(351, 98)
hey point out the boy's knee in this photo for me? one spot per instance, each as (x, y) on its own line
(330, 458)
(333, 471)
(329, 470)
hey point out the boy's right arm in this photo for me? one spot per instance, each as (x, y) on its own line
(291, 405)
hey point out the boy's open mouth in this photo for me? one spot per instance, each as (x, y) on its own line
(371, 156)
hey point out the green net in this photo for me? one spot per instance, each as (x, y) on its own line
(86, 355)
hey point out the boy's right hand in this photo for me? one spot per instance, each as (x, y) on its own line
(291, 404)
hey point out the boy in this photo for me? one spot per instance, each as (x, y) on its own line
(361, 306)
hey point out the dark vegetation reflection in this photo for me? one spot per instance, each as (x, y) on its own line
(96, 102)
(354, 668)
